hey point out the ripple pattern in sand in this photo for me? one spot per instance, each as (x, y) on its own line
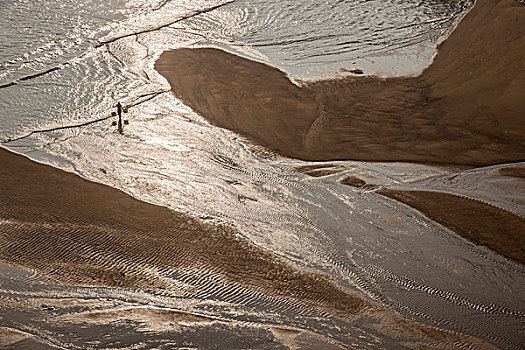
(366, 241)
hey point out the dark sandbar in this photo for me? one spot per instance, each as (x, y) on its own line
(481, 223)
(466, 108)
(80, 232)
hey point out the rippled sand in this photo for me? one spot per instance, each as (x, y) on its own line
(88, 234)
(479, 222)
(97, 268)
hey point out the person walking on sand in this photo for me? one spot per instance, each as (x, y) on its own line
(119, 112)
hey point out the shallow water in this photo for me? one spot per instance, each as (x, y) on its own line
(170, 156)
(310, 40)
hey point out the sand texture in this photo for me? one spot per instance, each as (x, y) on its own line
(466, 108)
(8, 337)
(79, 232)
(517, 172)
(480, 223)
(86, 233)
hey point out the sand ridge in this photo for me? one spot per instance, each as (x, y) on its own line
(466, 108)
(87, 233)
(9, 336)
(80, 232)
(476, 221)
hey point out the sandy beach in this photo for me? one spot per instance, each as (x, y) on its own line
(77, 221)
(83, 233)
(480, 223)
(466, 108)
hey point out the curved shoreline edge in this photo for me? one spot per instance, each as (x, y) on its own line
(83, 233)
(466, 108)
(39, 196)
(495, 228)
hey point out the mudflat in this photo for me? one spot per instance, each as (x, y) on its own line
(86, 233)
(466, 108)
(476, 221)
(80, 232)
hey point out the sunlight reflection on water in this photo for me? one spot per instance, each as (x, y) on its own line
(170, 156)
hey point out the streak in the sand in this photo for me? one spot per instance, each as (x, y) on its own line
(262, 251)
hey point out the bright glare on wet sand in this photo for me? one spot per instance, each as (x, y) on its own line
(279, 175)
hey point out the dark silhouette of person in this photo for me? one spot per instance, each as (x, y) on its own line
(119, 112)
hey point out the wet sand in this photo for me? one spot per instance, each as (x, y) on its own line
(319, 170)
(79, 232)
(466, 108)
(9, 337)
(479, 222)
(476, 221)
(90, 234)
(516, 172)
